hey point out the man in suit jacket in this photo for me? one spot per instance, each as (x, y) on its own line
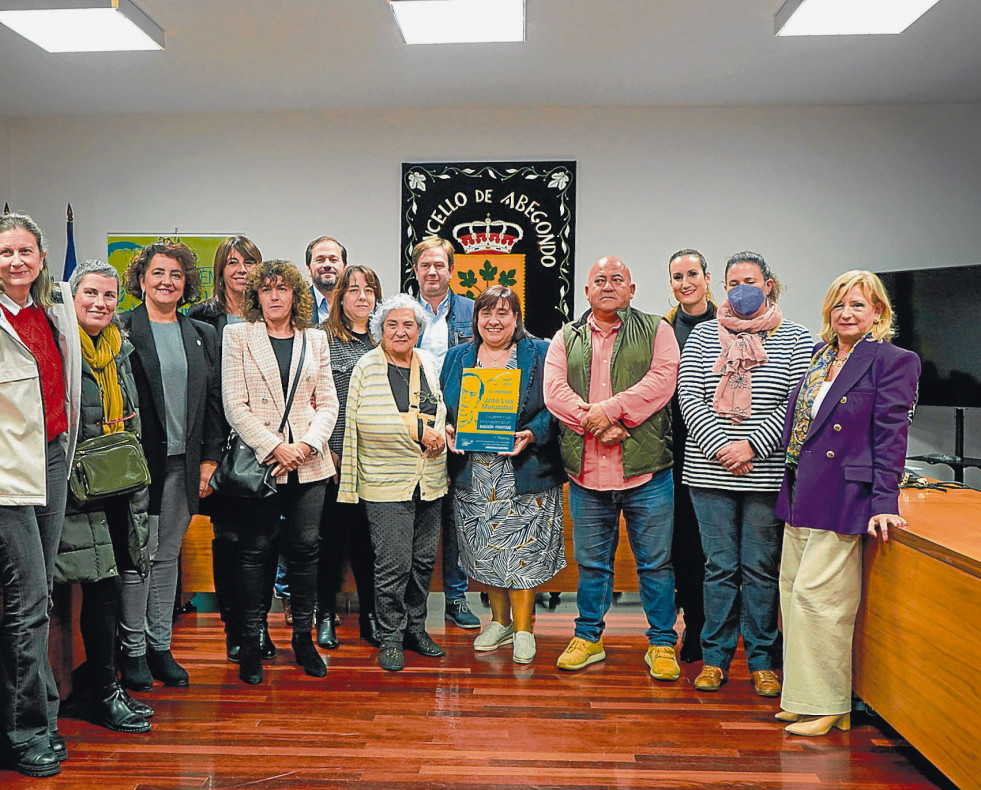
(326, 259)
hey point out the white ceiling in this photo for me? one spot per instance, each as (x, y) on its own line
(301, 55)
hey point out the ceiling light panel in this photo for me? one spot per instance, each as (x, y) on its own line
(460, 21)
(82, 25)
(848, 17)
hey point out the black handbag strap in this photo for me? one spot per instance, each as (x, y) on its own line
(299, 371)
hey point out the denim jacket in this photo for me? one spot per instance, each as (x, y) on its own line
(539, 467)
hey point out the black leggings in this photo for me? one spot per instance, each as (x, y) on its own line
(297, 506)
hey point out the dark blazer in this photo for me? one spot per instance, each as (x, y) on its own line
(539, 467)
(211, 313)
(204, 415)
(852, 459)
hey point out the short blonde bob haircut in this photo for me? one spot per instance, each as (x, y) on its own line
(874, 291)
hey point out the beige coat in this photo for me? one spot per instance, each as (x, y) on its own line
(22, 435)
(253, 395)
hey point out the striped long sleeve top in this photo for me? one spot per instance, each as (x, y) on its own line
(381, 462)
(789, 351)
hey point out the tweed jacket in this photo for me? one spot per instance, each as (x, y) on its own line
(253, 395)
(855, 450)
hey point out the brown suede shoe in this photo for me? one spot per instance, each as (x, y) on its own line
(766, 683)
(710, 679)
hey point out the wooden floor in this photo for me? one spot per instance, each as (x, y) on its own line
(468, 721)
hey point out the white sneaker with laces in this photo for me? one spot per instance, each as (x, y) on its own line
(494, 636)
(524, 647)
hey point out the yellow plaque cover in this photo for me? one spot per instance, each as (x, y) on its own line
(488, 410)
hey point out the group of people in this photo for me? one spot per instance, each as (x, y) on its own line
(746, 463)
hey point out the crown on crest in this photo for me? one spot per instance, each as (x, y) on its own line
(489, 235)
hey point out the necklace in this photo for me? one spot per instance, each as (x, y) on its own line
(837, 362)
(495, 361)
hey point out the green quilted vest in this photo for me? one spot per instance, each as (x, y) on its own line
(648, 449)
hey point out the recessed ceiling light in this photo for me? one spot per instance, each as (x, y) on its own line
(82, 25)
(848, 17)
(460, 21)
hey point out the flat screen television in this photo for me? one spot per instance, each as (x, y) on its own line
(938, 315)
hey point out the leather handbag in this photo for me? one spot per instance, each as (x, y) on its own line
(239, 473)
(109, 465)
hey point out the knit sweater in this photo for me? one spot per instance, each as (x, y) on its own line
(381, 462)
(789, 352)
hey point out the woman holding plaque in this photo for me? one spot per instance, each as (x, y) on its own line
(508, 504)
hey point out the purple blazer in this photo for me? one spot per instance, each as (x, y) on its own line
(855, 451)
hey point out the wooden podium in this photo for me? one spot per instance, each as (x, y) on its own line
(917, 649)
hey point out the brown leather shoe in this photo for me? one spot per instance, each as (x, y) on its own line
(766, 682)
(710, 678)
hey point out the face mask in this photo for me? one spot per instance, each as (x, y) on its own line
(745, 299)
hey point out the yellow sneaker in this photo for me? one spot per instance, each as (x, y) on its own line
(710, 678)
(580, 654)
(663, 663)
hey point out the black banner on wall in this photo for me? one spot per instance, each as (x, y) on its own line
(510, 224)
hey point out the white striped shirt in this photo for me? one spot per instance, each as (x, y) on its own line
(789, 352)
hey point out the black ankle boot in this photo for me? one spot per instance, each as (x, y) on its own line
(134, 673)
(165, 669)
(267, 650)
(327, 631)
(37, 761)
(307, 656)
(109, 709)
(369, 628)
(138, 707)
(250, 661)
(232, 642)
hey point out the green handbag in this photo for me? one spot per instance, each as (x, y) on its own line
(107, 466)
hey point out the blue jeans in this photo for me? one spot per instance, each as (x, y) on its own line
(649, 512)
(741, 538)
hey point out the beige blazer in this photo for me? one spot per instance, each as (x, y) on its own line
(253, 395)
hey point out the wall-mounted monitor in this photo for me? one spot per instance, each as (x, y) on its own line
(938, 315)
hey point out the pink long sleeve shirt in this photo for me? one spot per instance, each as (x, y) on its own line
(602, 467)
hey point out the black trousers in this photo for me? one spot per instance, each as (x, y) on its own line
(297, 507)
(344, 532)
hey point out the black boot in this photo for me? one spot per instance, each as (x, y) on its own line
(232, 645)
(58, 746)
(369, 628)
(38, 761)
(307, 656)
(267, 650)
(250, 662)
(134, 673)
(691, 643)
(165, 669)
(327, 631)
(138, 707)
(109, 709)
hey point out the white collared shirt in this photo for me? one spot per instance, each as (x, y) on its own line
(436, 338)
(12, 307)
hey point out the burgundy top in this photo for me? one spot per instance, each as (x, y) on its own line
(31, 325)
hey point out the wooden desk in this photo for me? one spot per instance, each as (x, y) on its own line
(917, 649)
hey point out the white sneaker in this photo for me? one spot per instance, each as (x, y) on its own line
(524, 647)
(493, 636)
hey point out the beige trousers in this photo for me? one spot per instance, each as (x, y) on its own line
(820, 589)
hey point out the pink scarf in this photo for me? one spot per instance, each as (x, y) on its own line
(742, 350)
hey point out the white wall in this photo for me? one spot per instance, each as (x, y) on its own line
(5, 187)
(817, 190)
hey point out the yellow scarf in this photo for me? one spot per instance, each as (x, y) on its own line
(101, 358)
